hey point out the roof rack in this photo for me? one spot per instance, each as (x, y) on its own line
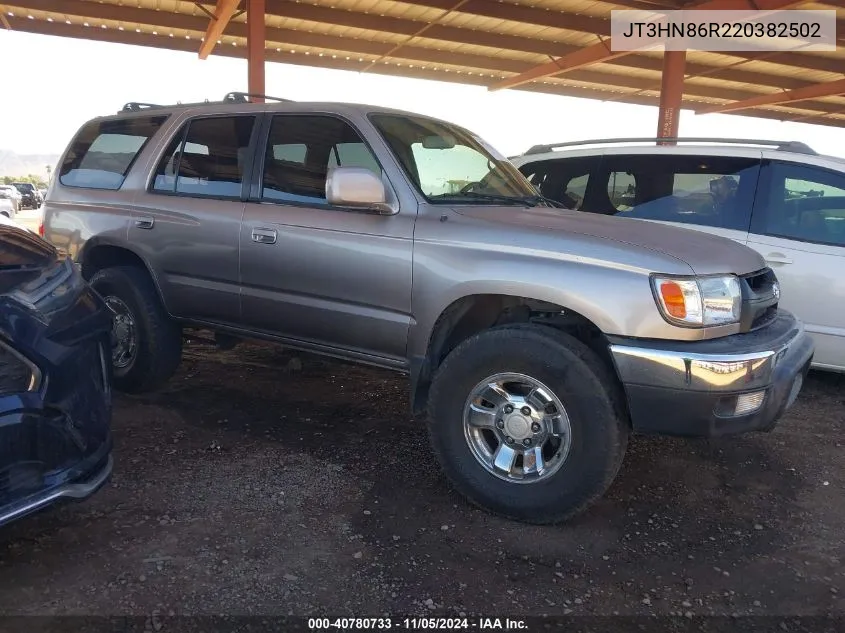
(243, 97)
(785, 146)
(231, 97)
(137, 106)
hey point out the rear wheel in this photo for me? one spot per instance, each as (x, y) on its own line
(146, 342)
(527, 423)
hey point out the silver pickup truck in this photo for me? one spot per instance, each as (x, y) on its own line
(536, 339)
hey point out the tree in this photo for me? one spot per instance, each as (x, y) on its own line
(38, 181)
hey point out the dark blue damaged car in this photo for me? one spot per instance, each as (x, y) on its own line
(55, 374)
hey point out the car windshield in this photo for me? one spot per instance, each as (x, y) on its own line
(23, 187)
(450, 165)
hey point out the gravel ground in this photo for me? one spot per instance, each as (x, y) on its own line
(261, 482)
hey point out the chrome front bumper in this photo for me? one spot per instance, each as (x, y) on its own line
(686, 388)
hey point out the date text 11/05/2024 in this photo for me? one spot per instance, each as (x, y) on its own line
(411, 624)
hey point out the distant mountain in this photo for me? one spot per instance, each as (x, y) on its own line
(14, 164)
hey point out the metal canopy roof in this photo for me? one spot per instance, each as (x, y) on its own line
(550, 46)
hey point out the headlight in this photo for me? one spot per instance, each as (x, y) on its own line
(53, 290)
(698, 302)
(17, 373)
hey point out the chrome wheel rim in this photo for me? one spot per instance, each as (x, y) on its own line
(124, 333)
(517, 428)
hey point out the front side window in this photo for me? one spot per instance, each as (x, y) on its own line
(450, 165)
(102, 153)
(301, 149)
(712, 191)
(207, 158)
(803, 203)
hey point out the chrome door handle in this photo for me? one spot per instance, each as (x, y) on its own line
(264, 236)
(778, 258)
(145, 223)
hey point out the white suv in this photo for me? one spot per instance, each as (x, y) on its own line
(780, 198)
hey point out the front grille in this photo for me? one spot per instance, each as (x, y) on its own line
(760, 297)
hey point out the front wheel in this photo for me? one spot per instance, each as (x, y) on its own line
(527, 423)
(146, 342)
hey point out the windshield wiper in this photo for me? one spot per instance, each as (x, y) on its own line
(531, 201)
(554, 203)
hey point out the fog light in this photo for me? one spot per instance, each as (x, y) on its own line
(749, 402)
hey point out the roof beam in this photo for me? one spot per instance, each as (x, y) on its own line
(524, 15)
(223, 12)
(453, 6)
(447, 33)
(173, 43)
(285, 38)
(814, 91)
(601, 51)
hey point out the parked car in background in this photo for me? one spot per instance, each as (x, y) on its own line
(11, 193)
(30, 196)
(780, 198)
(536, 339)
(8, 207)
(55, 395)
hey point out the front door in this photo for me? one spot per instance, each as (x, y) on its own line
(798, 226)
(331, 278)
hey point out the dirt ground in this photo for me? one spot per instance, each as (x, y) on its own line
(264, 482)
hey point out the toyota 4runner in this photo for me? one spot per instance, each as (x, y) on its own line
(536, 338)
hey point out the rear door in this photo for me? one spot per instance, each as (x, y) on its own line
(187, 225)
(798, 226)
(707, 193)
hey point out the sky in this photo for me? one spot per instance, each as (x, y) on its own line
(75, 80)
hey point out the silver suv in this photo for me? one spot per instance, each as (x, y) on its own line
(536, 338)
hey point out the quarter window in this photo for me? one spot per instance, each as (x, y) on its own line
(300, 152)
(564, 180)
(207, 159)
(803, 203)
(102, 153)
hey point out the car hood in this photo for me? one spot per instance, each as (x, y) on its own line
(706, 254)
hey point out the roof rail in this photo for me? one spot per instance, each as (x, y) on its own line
(243, 97)
(137, 106)
(231, 97)
(785, 146)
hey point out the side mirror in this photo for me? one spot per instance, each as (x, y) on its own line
(357, 188)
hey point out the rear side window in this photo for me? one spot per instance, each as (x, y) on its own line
(715, 191)
(102, 153)
(207, 159)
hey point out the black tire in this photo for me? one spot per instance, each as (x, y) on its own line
(159, 338)
(587, 389)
